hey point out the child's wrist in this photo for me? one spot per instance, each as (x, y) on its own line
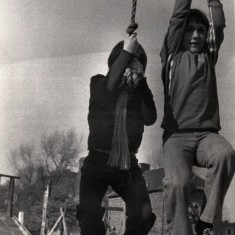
(214, 3)
(128, 52)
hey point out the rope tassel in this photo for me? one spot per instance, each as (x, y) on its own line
(119, 156)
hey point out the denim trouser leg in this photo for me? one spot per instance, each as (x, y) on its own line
(179, 152)
(178, 161)
(217, 155)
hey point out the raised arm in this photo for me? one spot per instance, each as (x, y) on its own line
(216, 30)
(175, 29)
(118, 67)
(173, 38)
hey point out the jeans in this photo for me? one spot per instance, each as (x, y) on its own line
(180, 152)
(129, 185)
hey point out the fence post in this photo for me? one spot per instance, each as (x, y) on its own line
(11, 193)
(44, 209)
(21, 217)
(11, 197)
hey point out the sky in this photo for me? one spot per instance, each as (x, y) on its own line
(50, 49)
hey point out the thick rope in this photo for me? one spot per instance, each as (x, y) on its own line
(133, 11)
(133, 26)
(119, 155)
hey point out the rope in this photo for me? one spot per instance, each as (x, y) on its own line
(119, 155)
(133, 11)
(133, 26)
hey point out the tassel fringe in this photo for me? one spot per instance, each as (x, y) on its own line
(119, 155)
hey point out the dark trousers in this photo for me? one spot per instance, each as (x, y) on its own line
(129, 185)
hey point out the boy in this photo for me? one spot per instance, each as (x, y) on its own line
(191, 116)
(121, 103)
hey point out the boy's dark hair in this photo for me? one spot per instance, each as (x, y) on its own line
(199, 17)
(140, 55)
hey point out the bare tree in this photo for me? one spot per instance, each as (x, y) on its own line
(57, 152)
(60, 151)
(24, 161)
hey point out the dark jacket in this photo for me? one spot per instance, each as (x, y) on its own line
(104, 91)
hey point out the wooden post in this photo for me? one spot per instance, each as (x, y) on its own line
(64, 230)
(21, 217)
(61, 220)
(11, 197)
(44, 209)
(11, 193)
(55, 225)
(124, 218)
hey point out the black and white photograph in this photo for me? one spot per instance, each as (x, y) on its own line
(117, 117)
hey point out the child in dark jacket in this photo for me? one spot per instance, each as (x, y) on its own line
(121, 103)
(191, 116)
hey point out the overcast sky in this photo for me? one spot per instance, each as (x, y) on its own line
(49, 49)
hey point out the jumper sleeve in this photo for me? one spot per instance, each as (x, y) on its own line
(216, 30)
(149, 110)
(97, 97)
(172, 39)
(117, 69)
(97, 85)
(175, 29)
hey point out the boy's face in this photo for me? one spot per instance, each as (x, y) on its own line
(194, 37)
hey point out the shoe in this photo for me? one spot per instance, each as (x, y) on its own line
(203, 228)
(208, 231)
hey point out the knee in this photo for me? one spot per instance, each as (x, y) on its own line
(225, 157)
(140, 215)
(146, 210)
(149, 222)
(183, 185)
(139, 225)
